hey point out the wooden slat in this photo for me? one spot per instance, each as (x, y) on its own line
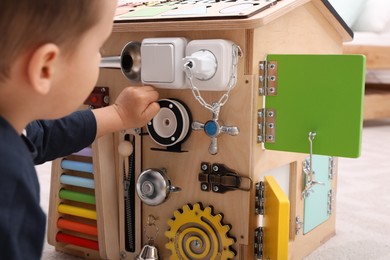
(377, 97)
(377, 57)
(376, 104)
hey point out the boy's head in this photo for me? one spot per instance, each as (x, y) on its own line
(27, 24)
(50, 51)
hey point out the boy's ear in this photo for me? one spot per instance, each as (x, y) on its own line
(42, 66)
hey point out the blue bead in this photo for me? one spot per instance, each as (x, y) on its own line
(211, 128)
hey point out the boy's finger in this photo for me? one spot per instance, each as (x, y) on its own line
(151, 96)
(151, 110)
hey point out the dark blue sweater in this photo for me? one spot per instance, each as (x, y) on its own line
(22, 221)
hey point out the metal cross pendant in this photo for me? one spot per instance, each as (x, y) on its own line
(212, 129)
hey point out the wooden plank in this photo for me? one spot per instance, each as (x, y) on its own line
(106, 191)
(377, 97)
(377, 57)
(376, 104)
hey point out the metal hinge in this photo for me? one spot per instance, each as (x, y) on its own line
(332, 167)
(268, 80)
(266, 125)
(259, 209)
(298, 225)
(259, 198)
(330, 201)
(259, 243)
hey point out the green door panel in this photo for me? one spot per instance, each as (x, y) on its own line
(320, 93)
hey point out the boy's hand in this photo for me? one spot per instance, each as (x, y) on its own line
(136, 106)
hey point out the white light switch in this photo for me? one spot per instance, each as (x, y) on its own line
(158, 63)
(161, 62)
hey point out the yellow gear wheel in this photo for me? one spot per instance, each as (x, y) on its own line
(196, 233)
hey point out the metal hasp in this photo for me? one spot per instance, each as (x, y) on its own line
(212, 128)
(218, 178)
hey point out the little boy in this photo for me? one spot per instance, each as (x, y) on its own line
(49, 57)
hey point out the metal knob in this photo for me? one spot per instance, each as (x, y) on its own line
(153, 187)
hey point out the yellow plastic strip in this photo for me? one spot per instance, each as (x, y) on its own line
(77, 211)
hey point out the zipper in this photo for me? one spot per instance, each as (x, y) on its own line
(129, 199)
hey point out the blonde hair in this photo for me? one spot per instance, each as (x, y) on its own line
(27, 24)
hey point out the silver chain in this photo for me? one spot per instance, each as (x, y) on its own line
(215, 107)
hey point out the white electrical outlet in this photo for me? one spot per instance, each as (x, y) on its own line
(161, 62)
(211, 62)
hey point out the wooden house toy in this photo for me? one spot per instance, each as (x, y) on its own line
(257, 102)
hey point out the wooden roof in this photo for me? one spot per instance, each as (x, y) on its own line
(262, 18)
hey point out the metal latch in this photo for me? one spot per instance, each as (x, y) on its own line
(268, 80)
(266, 119)
(218, 178)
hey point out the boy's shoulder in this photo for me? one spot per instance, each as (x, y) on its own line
(13, 151)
